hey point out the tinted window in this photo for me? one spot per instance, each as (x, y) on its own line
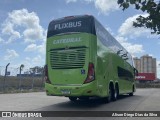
(124, 73)
(72, 24)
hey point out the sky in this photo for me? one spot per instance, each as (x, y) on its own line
(23, 28)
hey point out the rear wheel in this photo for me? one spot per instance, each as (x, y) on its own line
(116, 92)
(73, 99)
(84, 98)
(131, 94)
(109, 98)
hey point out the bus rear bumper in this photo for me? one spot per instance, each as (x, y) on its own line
(88, 89)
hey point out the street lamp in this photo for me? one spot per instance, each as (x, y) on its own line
(4, 84)
(20, 80)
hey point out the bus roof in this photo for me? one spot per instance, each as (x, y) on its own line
(80, 23)
(87, 24)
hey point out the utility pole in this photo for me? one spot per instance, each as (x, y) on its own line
(0, 70)
(4, 84)
(20, 80)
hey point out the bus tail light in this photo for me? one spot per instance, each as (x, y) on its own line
(46, 78)
(91, 73)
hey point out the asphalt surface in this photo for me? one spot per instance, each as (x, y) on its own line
(143, 100)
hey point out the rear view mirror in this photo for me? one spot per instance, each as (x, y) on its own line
(135, 72)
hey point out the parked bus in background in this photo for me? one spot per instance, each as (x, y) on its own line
(83, 60)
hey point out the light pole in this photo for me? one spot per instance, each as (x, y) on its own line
(20, 79)
(4, 84)
(0, 70)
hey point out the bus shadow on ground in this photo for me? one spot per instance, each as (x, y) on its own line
(91, 104)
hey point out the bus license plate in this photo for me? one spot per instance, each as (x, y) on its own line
(66, 92)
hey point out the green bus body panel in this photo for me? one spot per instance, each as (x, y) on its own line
(69, 76)
(68, 56)
(77, 91)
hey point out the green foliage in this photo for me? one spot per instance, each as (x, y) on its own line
(152, 21)
(37, 69)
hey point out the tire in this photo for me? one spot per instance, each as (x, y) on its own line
(116, 92)
(84, 98)
(73, 99)
(110, 96)
(131, 94)
(107, 99)
(112, 93)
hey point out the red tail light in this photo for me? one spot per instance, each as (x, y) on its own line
(91, 73)
(46, 78)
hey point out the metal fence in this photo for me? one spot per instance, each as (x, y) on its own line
(13, 80)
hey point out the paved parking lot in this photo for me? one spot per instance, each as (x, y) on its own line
(143, 100)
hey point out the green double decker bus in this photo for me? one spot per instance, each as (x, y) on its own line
(83, 60)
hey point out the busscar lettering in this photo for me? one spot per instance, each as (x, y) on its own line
(68, 25)
(67, 40)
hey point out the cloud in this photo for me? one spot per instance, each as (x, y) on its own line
(31, 35)
(69, 1)
(30, 62)
(109, 30)
(1, 40)
(35, 61)
(127, 28)
(130, 47)
(11, 54)
(9, 30)
(26, 22)
(34, 47)
(31, 47)
(104, 6)
(42, 48)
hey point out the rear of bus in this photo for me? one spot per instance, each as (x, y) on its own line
(71, 57)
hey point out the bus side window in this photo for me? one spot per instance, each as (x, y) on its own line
(123, 73)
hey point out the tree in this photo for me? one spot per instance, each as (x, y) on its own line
(152, 7)
(37, 69)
